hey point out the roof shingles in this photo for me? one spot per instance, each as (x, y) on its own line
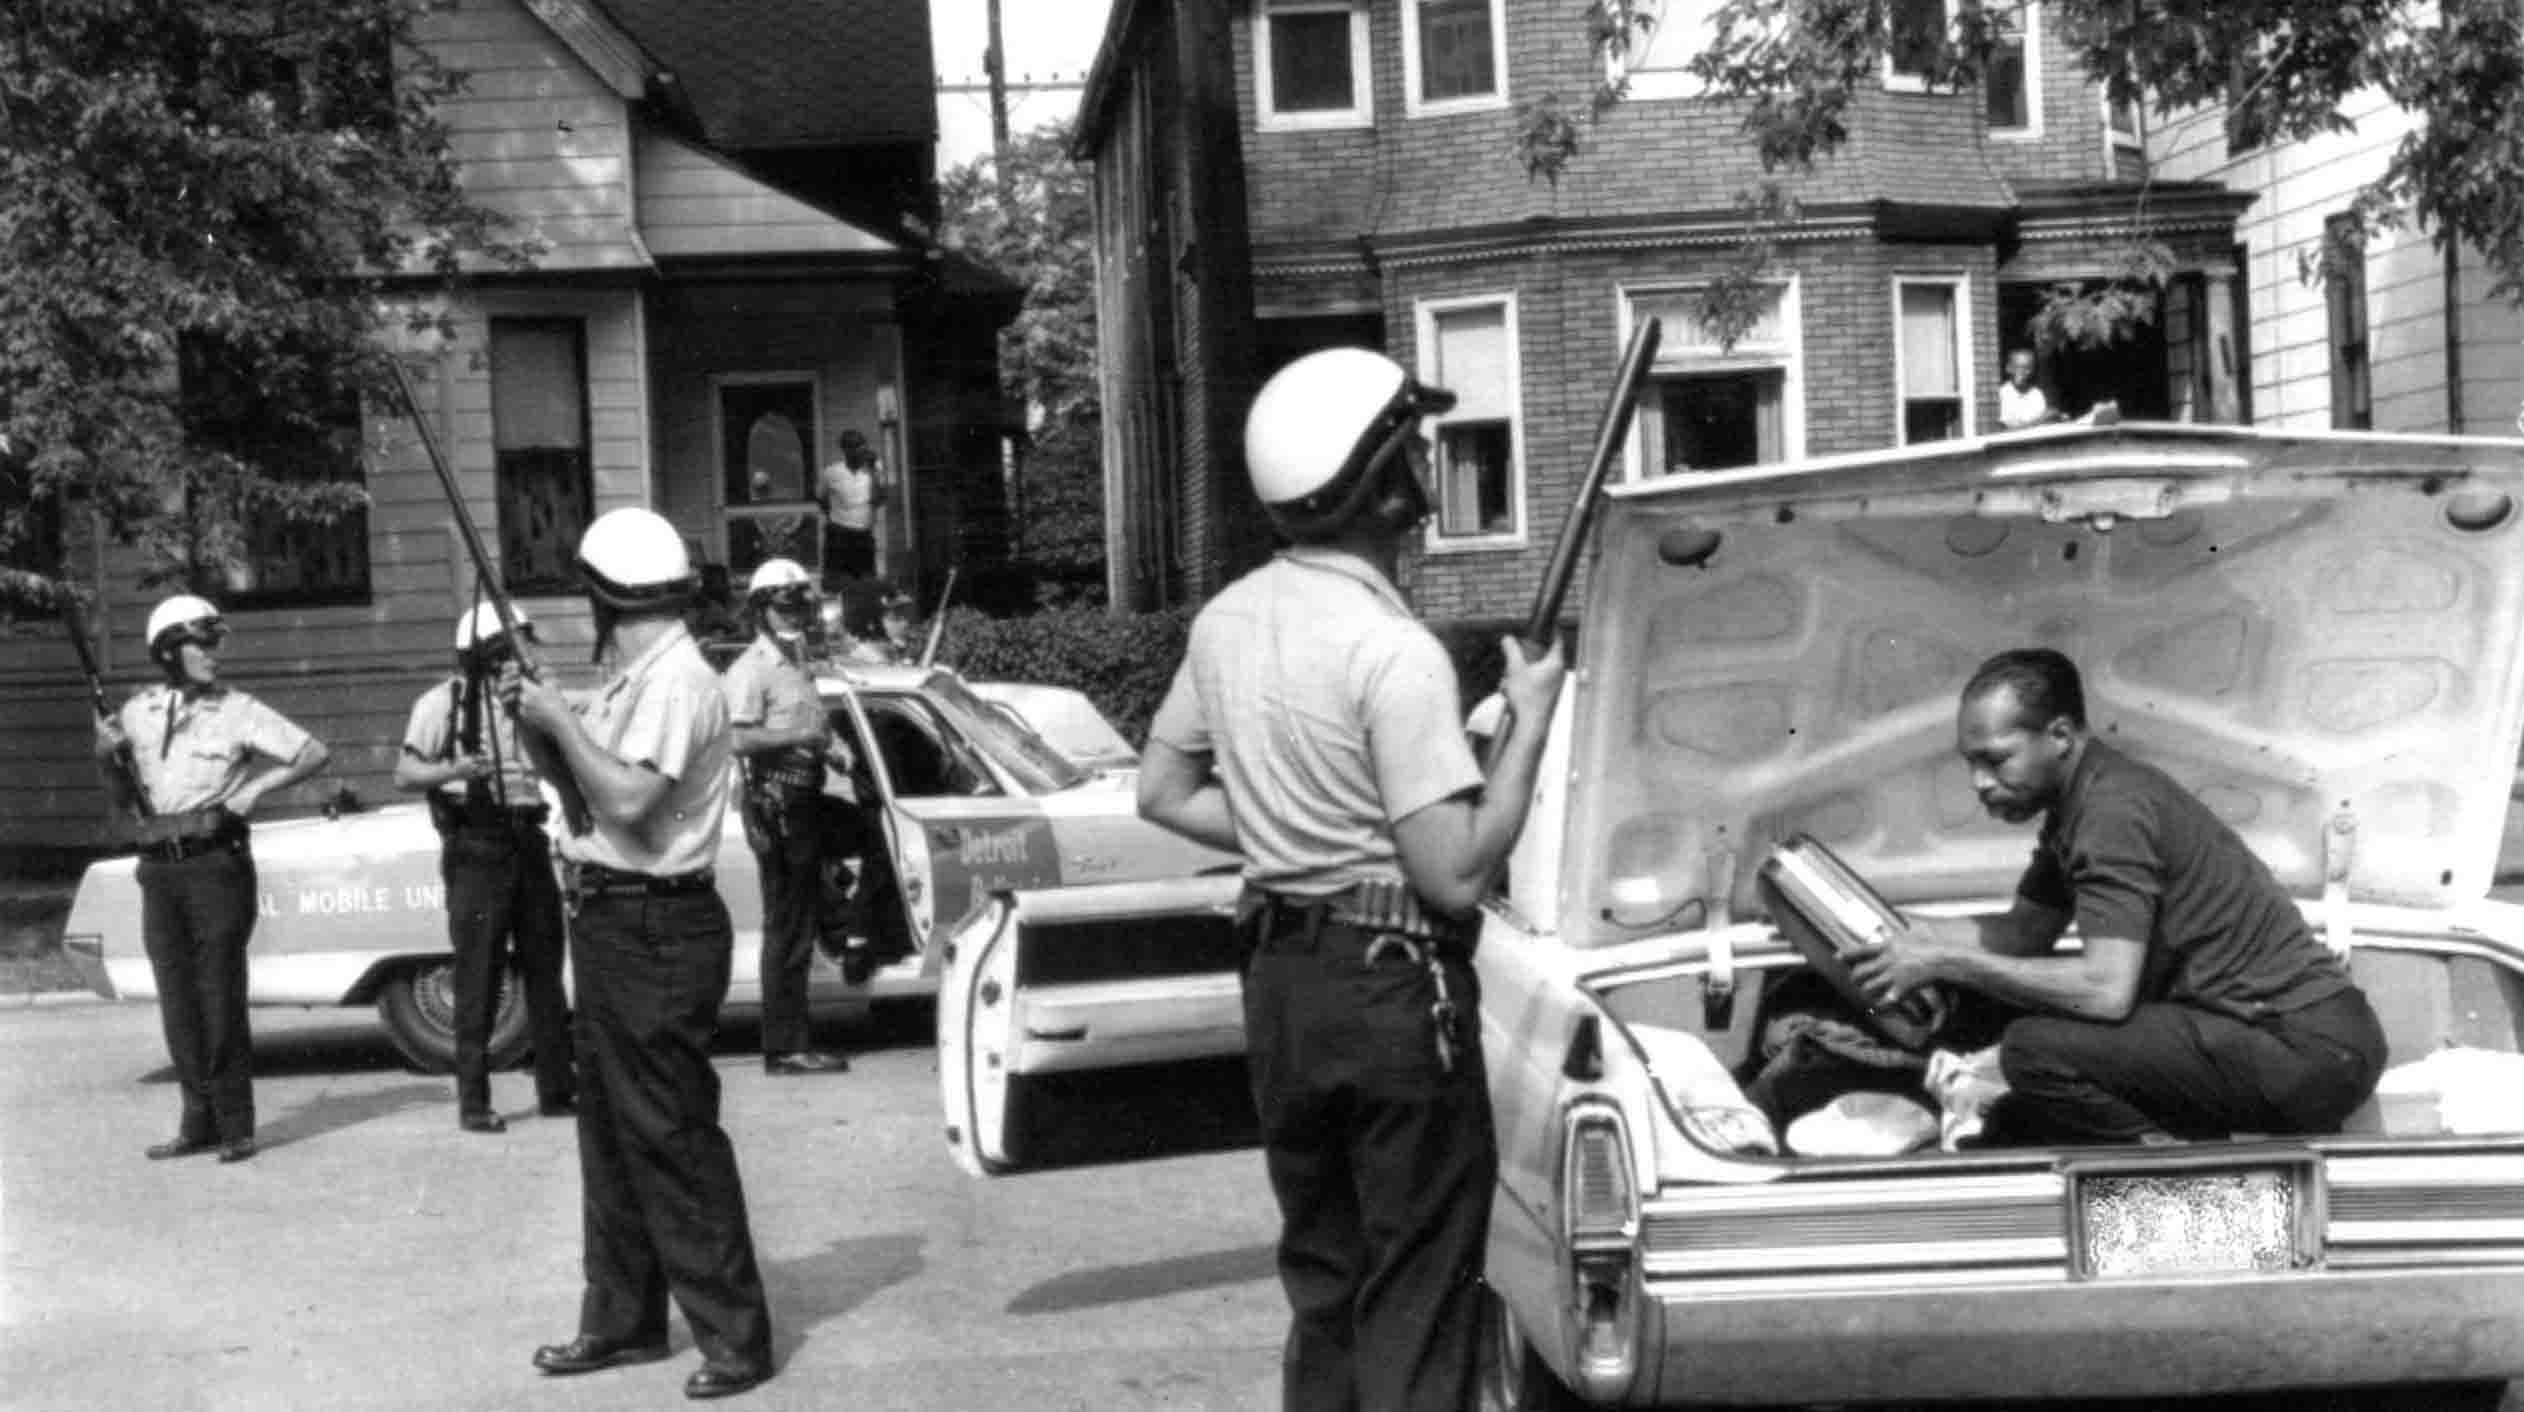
(794, 73)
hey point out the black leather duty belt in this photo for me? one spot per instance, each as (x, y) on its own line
(183, 846)
(1371, 908)
(587, 881)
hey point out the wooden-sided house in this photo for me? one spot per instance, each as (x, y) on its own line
(726, 194)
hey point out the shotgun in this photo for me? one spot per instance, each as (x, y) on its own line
(1610, 433)
(487, 580)
(124, 769)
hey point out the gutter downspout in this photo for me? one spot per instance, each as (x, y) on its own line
(2453, 339)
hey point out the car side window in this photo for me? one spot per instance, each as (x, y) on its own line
(921, 757)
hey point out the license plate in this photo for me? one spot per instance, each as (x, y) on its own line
(2189, 1223)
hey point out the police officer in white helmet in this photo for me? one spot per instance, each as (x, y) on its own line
(780, 736)
(194, 743)
(1315, 728)
(662, 1203)
(495, 858)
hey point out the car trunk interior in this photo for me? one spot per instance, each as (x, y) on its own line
(2453, 1017)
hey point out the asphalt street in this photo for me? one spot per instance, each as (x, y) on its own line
(374, 1257)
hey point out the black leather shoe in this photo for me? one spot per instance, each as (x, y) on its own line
(805, 1061)
(482, 1123)
(588, 1353)
(237, 1150)
(726, 1378)
(181, 1147)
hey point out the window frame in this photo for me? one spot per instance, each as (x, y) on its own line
(1414, 105)
(1898, 81)
(1679, 360)
(1966, 380)
(2115, 141)
(264, 541)
(579, 325)
(2031, 14)
(1425, 314)
(1362, 109)
(724, 515)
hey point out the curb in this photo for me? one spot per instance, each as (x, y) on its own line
(52, 1000)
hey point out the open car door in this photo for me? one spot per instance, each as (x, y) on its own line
(1054, 1001)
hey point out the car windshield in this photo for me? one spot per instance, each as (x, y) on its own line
(1038, 768)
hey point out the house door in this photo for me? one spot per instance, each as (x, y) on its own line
(767, 441)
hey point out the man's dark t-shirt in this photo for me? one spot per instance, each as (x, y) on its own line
(2133, 854)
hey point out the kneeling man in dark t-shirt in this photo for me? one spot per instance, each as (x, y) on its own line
(2199, 1005)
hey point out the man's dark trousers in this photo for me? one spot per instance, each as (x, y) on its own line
(196, 915)
(661, 1203)
(792, 883)
(500, 891)
(1383, 1162)
(2186, 1071)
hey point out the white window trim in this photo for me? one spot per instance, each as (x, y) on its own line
(1659, 84)
(1967, 381)
(1908, 83)
(1415, 106)
(1790, 360)
(721, 511)
(1424, 314)
(2116, 143)
(2031, 17)
(1362, 109)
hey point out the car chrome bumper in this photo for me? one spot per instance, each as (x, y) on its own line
(2138, 1338)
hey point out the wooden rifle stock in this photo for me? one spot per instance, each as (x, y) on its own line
(573, 800)
(126, 770)
(1544, 620)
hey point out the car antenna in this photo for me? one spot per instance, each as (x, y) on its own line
(937, 625)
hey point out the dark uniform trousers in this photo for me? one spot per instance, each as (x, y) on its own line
(2180, 1069)
(661, 1202)
(196, 915)
(1383, 1161)
(792, 914)
(501, 894)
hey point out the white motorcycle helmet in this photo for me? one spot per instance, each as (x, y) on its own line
(482, 625)
(1324, 442)
(779, 576)
(180, 619)
(634, 561)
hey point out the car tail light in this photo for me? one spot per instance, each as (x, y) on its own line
(1600, 1199)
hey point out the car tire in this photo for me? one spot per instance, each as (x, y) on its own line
(1512, 1377)
(418, 1006)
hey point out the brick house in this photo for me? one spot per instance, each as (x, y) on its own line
(1274, 176)
(726, 192)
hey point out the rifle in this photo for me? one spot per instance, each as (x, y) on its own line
(937, 625)
(1610, 432)
(487, 581)
(125, 769)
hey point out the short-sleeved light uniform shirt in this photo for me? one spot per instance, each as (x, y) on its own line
(427, 736)
(663, 711)
(766, 687)
(1330, 714)
(194, 754)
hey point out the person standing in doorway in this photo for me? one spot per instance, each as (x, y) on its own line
(781, 736)
(461, 751)
(195, 743)
(663, 1207)
(850, 489)
(1314, 727)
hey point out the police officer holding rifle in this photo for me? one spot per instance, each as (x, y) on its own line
(461, 750)
(1314, 726)
(663, 1207)
(202, 755)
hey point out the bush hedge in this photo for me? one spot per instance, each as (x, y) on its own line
(1124, 662)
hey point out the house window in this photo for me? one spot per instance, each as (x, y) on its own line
(307, 438)
(539, 449)
(2011, 84)
(1708, 407)
(1451, 53)
(2344, 288)
(30, 524)
(1933, 358)
(1476, 461)
(1310, 64)
(1918, 39)
(767, 470)
(2122, 121)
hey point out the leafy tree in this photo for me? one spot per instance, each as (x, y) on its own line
(2282, 71)
(1030, 217)
(202, 206)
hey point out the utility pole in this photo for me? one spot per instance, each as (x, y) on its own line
(995, 65)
